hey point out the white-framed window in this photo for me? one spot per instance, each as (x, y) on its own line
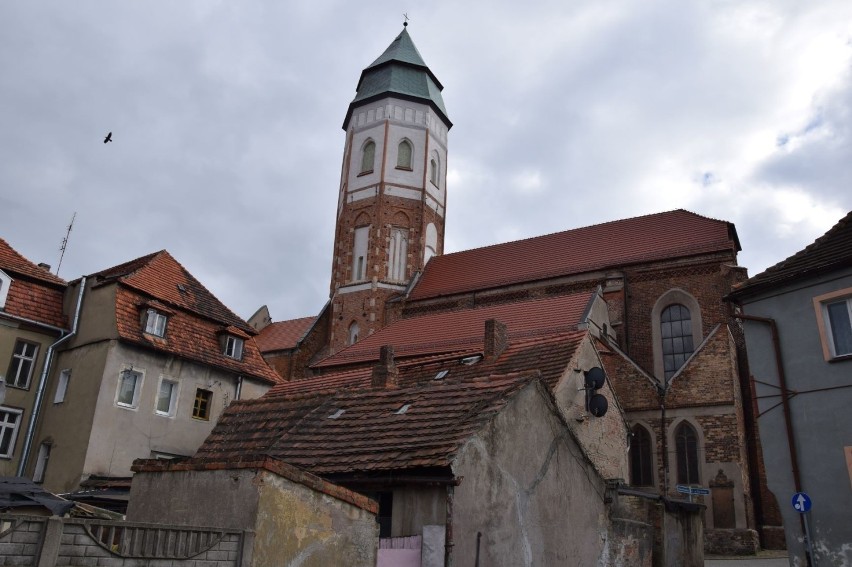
(41, 463)
(5, 284)
(10, 422)
(359, 253)
(404, 154)
(62, 386)
(21, 366)
(233, 347)
(155, 323)
(129, 387)
(397, 254)
(838, 326)
(368, 157)
(167, 395)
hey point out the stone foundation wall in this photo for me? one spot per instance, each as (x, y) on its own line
(731, 542)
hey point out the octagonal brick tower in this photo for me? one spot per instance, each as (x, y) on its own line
(391, 206)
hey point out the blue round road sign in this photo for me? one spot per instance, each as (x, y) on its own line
(801, 502)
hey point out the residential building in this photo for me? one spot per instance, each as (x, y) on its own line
(153, 361)
(796, 317)
(32, 322)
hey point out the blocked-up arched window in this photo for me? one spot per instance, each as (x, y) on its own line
(403, 155)
(686, 449)
(397, 254)
(641, 457)
(368, 157)
(354, 331)
(434, 170)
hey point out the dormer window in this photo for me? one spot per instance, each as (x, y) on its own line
(233, 347)
(155, 323)
(5, 284)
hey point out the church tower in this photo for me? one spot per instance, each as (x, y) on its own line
(393, 189)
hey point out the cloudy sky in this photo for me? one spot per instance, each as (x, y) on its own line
(226, 119)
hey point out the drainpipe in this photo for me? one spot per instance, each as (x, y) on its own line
(785, 404)
(239, 388)
(42, 383)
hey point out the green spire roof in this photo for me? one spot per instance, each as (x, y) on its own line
(399, 71)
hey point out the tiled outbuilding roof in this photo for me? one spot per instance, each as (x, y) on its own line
(35, 293)
(460, 330)
(196, 319)
(365, 430)
(160, 276)
(829, 252)
(660, 236)
(283, 335)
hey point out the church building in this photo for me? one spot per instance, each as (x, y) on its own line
(670, 345)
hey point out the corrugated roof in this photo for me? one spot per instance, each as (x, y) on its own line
(829, 252)
(283, 335)
(399, 71)
(609, 245)
(457, 330)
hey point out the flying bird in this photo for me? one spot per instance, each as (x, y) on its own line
(108, 138)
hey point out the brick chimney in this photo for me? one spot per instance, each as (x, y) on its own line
(385, 373)
(496, 339)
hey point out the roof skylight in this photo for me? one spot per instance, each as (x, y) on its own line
(337, 414)
(403, 409)
(440, 375)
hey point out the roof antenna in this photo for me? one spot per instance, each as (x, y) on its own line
(65, 241)
(405, 23)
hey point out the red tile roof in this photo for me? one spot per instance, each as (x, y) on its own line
(283, 335)
(196, 319)
(35, 293)
(829, 252)
(461, 330)
(648, 238)
(369, 434)
(162, 277)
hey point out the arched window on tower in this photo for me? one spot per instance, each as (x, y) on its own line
(641, 457)
(686, 449)
(397, 254)
(354, 330)
(434, 170)
(431, 242)
(403, 155)
(368, 157)
(359, 253)
(676, 336)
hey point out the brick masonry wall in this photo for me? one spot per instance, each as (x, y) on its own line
(63, 542)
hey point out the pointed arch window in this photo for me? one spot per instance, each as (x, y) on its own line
(397, 254)
(354, 331)
(368, 157)
(403, 155)
(686, 449)
(433, 171)
(641, 457)
(676, 335)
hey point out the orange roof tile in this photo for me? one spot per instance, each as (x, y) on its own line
(619, 243)
(457, 330)
(283, 335)
(162, 277)
(369, 434)
(35, 293)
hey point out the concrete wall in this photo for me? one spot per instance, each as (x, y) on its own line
(295, 524)
(820, 415)
(528, 490)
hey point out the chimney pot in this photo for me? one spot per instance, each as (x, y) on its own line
(44, 266)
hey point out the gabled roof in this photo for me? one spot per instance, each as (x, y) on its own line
(620, 243)
(464, 329)
(831, 251)
(160, 276)
(283, 335)
(368, 432)
(35, 293)
(399, 71)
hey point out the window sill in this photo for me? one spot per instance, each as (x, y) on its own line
(126, 407)
(401, 168)
(840, 358)
(201, 418)
(363, 173)
(27, 387)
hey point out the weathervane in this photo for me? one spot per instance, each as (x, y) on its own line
(405, 23)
